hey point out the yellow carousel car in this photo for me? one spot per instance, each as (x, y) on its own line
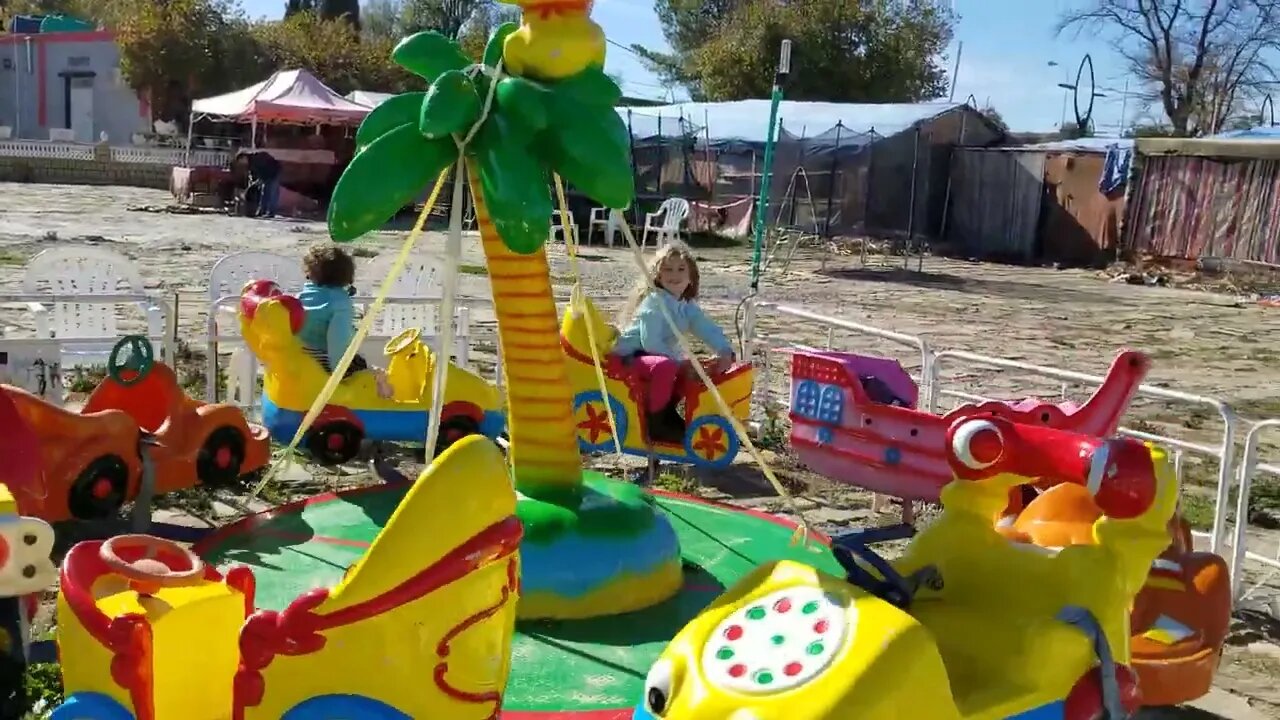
(420, 626)
(966, 626)
(269, 320)
(709, 439)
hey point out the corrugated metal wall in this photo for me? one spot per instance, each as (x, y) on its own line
(995, 202)
(1192, 207)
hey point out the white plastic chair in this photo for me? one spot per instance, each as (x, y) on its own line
(558, 226)
(84, 270)
(602, 217)
(418, 280)
(227, 278)
(665, 222)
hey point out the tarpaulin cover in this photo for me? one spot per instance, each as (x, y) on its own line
(748, 120)
(287, 96)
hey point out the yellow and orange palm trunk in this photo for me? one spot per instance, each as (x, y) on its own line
(544, 445)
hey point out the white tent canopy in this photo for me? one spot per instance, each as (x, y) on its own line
(367, 98)
(288, 96)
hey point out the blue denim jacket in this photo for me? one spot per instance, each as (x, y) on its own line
(330, 318)
(650, 333)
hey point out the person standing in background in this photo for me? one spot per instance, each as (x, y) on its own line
(264, 169)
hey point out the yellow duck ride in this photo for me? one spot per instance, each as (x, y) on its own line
(293, 379)
(420, 627)
(966, 626)
(709, 439)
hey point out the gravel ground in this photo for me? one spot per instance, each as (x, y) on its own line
(1202, 343)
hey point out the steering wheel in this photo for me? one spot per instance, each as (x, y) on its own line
(150, 572)
(407, 337)
(893, 589)
(139, 358)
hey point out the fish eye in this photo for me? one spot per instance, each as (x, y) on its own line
(657, 688)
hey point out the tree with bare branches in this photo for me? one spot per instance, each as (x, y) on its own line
(1201, 61)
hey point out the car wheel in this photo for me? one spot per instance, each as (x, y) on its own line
(334, 443)
(453, 429)
(221, 457)
(100, 489)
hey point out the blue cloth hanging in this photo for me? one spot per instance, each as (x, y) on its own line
(1115, 170)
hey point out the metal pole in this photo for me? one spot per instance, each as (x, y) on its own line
(631, 142)
(955, 72)
(791, 218)
(1124, 105)
(831, 180)
(784, 68)
(911, 208)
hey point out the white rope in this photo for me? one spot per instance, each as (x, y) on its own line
(802, 526)
(452, 260)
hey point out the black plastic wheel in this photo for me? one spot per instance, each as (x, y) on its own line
(335, 442)
(221, 457)
(453, 429)
(100, 489)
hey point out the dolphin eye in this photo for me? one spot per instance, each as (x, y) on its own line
(657, 688)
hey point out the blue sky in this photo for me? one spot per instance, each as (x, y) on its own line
(1008, 45)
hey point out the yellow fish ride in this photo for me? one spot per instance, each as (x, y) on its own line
(967, 625)
(709, 439)
(355, 412)
(420, 627)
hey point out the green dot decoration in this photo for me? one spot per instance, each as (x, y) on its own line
(777, 639)
(724, 654)
(810, 607)
(815, 648)
(764, 677)
(756, 613)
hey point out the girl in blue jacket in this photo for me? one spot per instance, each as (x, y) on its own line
(648, 340)
(329, 323)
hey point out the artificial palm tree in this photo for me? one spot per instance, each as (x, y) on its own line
(557, 118)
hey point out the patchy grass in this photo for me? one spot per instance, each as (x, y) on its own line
(12, 257)
(44, 686)
(470, 269)
(86, 379)
(676, 483)
(1197, 510)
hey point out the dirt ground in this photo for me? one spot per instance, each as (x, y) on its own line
(1207, 344)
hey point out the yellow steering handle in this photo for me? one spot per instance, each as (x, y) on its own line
(407, 338)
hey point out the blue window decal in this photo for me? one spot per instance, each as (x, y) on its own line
(831, 406)
(825, 435)
(805, 402)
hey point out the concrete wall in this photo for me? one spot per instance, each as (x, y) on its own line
(33, 85)
(101, 170)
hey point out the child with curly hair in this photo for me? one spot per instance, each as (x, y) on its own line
(329, 326)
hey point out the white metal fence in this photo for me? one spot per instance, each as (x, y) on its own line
(134, 154)
(1232, 542)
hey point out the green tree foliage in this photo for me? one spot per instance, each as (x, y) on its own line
(995, 118)
(333, 51)
(346, 10)
(446, 17)
(293, 7)
(871, 51)
(474, 34)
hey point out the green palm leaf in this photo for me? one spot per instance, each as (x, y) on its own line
(493, 49)
(428, 55)
(383, 178)
(590, 148)
(589, 87)
(399, 110)
(515, 185)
